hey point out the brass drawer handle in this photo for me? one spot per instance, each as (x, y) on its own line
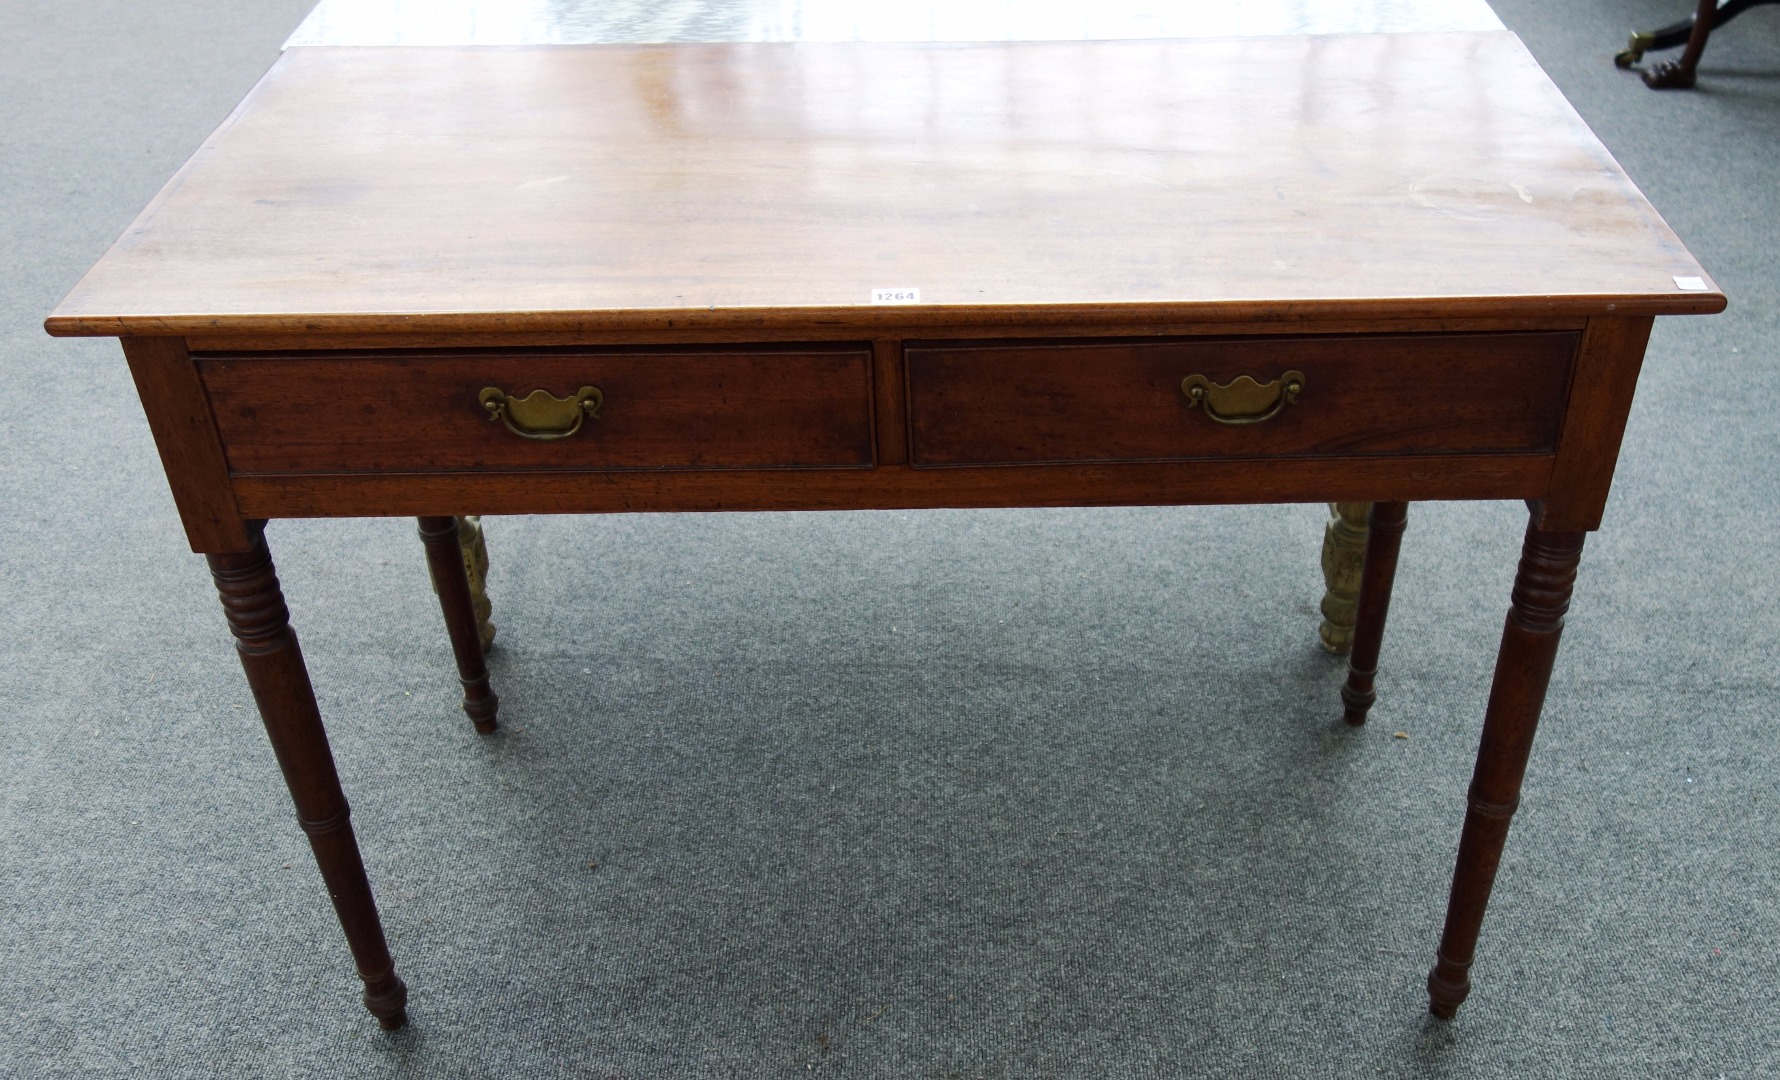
(1242, 400)
(541, 414)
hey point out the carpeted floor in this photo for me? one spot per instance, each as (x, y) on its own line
(956, 794)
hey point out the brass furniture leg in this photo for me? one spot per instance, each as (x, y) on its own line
(257, 616)
(1523, 670)
(1344, 551)
(1384, 537)
(445, 557)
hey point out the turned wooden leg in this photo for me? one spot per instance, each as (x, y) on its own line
(1523, 670)
(1680, 74)
(1681, 33)
(1344, 551)
(274, 664)
(475, 551)
(450, 580)
(1384, 537)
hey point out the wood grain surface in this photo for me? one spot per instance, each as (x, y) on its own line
(666, 408)
(1121, 400)
(898, 487)
(442, 190)
(1607, 365)
(184, 430)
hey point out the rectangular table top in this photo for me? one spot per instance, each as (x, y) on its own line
(469, 189)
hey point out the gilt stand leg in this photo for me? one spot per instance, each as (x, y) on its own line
(1523, 670)
(1344, 550)
(450, 580)
(475, 551)
(1384, 537)
(273, 661)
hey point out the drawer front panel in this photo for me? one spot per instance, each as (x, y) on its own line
(973, 403)
(666, 409)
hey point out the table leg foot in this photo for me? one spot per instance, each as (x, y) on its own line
(387, 1000)
(1344, 552)
(1671, 75)
(273, 661)
(1517, 695)
(1449, 984)
(1384, 537)
(445, 558)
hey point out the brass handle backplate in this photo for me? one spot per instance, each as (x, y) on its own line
(541, 414)
(1242, 400)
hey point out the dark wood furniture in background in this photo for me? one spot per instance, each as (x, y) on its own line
(1680, 73)
(421, 282)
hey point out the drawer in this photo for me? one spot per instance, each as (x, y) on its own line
(736, 408)
(976, 403)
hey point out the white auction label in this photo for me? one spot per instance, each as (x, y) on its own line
(1690, 284)
(896, 296)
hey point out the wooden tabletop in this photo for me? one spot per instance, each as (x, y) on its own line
(608, 22)
(364, 190)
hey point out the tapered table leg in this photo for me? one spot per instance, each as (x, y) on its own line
(260, 622)
(1384, 536)
(1523, 670)
(451, 581)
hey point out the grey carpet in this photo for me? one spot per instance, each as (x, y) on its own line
(1010, 794)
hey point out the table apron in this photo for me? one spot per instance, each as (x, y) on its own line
(1503, 476)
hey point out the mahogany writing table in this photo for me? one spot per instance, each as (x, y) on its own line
(447, 281)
